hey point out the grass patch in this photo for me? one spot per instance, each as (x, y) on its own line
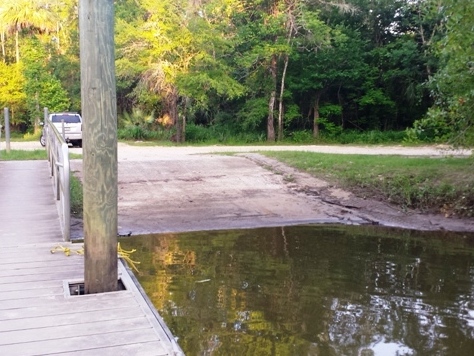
(75, 156)
(20, 155)
(75, 187)
(441, 185)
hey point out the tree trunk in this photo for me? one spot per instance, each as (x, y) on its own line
(280, 100)
(173, 112)
(316, 115)
(271, 102)
(17, 46)
(339, 99)
(2, 39)
(183, 130)
(37, 117)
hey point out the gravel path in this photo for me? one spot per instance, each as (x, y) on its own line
(139, 152)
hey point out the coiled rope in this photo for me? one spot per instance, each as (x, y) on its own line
(125, 254)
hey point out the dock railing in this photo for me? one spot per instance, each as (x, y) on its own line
(58, 157)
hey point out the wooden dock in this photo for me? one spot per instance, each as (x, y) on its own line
(38, 314)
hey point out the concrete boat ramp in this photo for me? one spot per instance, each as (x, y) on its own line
(39, 313)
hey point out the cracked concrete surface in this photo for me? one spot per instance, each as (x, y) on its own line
(175, 189)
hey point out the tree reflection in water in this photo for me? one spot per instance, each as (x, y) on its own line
(312, 290)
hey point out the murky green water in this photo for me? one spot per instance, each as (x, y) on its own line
(312, 290)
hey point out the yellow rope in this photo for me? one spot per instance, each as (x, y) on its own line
(125, 254)
(67, 250)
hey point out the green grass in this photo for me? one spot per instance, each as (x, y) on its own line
(23, 155)
(75, 156)
(441, 185)
(20, 155)
(76, 197)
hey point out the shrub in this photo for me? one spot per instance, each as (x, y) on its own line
(197, 133)
(302, 136)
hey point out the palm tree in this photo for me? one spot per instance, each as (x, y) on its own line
(36, 16)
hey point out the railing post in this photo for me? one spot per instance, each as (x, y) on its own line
(58, 180)
(66, 192)
(63, 130)
(45, 123)
(7, 129)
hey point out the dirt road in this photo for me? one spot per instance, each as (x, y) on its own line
(173, 189)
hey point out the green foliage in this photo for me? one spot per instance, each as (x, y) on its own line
(132, 133)
(329, 128)
(42, 89)
(292, 113)
(328, 110)
(363, 137)
(30, 39)
(370, 65)
(222, 134)
(53, 96)
(139, 125)
(302, 136)
(32, 136)
(11, 93)
(433, 127)
(375, 97)
(372, 137)
(136, 118)
(252, 113)
(138, 133)
(453, 84)
(197, 133)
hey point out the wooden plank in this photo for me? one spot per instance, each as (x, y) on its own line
(19, 286)
(73, 330)
(68, 319)
(18, 231)
(32, 293)
(142, 349)
(80, 343)
(33, 250)
(37, 272)
(57, 311)
(43, 277)
(57, 257)
(20, 238)
(66, 305)
(41, 264)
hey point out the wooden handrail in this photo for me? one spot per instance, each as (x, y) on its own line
(58, 156)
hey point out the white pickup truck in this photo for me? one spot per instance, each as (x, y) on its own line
(72, 126)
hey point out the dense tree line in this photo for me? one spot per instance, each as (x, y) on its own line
(269, 68)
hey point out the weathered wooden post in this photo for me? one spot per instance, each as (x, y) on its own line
(99, 112)
(6, 116)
